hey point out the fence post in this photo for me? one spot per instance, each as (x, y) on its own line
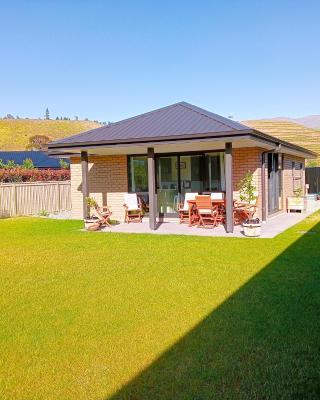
(59, 201)
(15, 205)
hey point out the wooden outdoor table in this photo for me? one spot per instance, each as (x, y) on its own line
(191, 203)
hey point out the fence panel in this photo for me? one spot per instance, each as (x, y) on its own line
(313, 179)
(31, 198)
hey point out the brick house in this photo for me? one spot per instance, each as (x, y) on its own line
(181, 148)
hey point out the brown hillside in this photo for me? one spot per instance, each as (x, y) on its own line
(291, 132)
(14, 134)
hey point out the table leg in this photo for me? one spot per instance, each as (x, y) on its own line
(190, 213)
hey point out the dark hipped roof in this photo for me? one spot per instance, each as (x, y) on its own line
(40, 159)
(175, 120)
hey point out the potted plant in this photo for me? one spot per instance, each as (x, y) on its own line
(92, 223)
(296, 202)
(247, 191)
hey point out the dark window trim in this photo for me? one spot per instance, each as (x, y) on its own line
(178, 154)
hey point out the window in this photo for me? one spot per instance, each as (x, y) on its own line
(138, 174)
(214, 172)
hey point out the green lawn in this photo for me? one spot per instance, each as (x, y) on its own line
(116, 316)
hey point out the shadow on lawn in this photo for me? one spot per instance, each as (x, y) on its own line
(261, 343)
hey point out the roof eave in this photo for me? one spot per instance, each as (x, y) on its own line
(55, 145)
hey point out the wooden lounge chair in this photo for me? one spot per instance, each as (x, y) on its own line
(103, 214)
(132, 207)
(183, 210)
(208, 214)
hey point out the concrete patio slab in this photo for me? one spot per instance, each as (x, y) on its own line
(270, 229)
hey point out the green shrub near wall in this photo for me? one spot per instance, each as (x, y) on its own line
(33, 175)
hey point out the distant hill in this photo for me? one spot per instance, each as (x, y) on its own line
(15, 133)
(289, 131)
(310, 121)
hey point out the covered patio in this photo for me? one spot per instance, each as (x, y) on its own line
(164, 154)
(273, 227)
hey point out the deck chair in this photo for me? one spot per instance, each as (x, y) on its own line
(183, 209)
(217, 196)
(103, 214)
(208, 214)
(132, 207)
(243, 211)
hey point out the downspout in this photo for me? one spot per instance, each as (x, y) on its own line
(263, 185)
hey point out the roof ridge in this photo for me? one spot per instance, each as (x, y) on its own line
(124, 120)
(205, 113)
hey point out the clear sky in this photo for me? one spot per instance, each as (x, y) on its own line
(109, 60)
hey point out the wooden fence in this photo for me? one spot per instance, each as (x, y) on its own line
(313, 179)
(30, 198)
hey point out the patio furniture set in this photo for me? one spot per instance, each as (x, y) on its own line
(209, 210)
(205, 210)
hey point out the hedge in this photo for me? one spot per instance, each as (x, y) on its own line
(33, 175)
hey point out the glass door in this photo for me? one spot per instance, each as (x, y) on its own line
(191, 167)
(187, 173)
(273, 182)
(167, 168)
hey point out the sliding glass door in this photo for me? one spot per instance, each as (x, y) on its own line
(191, 167)
(177, 175)
(167, 184)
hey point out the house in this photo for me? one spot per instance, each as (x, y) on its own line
(181, 148)
(40, 159)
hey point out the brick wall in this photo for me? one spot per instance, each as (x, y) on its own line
(107, 183)
(244, 160)
(108, 179)
(292, 178)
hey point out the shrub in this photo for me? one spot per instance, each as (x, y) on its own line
(27, 164)
(33, 175)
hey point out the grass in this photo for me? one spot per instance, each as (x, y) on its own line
(15, 134)
(116, 316)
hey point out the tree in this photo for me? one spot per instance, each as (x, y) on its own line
(247, 190)
(27, 164)
(47, 114)
(57, 118)
(76, 118)
(38, 142)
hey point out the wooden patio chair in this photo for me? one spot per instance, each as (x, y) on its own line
(243, 211)
(103, 214)
(132, 207)
(183, 209)
(217, 196)
(208, 214)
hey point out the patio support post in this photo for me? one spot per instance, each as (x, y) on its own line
(152, 189)
(229, 188)
(85, 185)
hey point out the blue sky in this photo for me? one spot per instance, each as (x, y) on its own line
(108, 60)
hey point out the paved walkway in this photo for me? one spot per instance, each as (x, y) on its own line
(270, 229)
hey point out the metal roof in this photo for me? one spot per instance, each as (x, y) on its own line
(175, 120)
(40, 159)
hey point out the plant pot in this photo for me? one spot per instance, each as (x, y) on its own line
(296, 203)
(92, 224)
(252, 229)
